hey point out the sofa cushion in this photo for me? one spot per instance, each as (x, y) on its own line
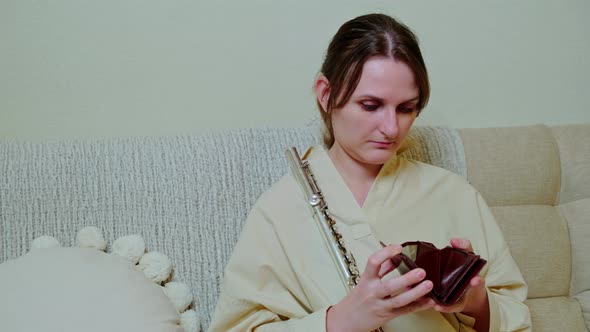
(556, 314)
(524, 173)
(81, 289)
(539, 242)
(513, 166)
(577, 214)
(584, 299)
(574, 151)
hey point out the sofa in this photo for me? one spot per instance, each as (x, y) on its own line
(188, 196)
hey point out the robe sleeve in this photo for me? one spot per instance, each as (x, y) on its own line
(260, 290)
(505, 284)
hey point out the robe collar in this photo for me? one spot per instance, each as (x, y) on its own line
(340, 200)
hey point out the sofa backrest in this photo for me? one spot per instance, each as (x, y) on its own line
(187, 196)
(536, 180)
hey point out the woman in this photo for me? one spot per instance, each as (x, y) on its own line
(372, 86)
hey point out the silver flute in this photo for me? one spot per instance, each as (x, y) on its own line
(344, 260)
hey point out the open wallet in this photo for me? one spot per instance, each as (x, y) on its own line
(449, 269)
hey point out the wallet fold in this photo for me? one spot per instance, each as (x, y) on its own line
(450, 269)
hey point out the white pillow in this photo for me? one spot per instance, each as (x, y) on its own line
(84, 290)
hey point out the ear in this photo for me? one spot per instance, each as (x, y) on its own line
(322, 91)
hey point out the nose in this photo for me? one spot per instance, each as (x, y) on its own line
(389, 124)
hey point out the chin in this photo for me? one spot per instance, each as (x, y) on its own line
(379, 157)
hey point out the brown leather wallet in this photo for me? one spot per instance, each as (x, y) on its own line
(449, 269)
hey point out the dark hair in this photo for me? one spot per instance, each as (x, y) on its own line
(355, 42)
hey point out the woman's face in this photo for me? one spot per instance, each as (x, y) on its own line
(372, 124)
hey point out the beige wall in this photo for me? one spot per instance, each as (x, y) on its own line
(75, 68)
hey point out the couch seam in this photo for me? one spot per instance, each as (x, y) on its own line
(559, 204)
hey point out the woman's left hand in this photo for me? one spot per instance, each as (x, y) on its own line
(476, 295)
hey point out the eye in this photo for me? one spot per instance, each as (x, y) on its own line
(370, 106)
(406, 109)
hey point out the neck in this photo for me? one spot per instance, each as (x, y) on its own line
(359, 177)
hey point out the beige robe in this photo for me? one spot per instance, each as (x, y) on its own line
(281, 276)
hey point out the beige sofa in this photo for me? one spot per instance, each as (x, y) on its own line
(537, 182)
(188, 197)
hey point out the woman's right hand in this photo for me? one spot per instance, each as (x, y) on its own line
(373, 302)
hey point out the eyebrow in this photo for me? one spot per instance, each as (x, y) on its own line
(381, 99)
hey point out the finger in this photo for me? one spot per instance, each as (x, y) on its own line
(411, 295)
(476, 281)
(402, 283)
(386, 267)
(477, 287)
(461, 243)
(378, 258)
(419, 305)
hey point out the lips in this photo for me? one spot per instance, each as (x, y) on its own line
(382, 144)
